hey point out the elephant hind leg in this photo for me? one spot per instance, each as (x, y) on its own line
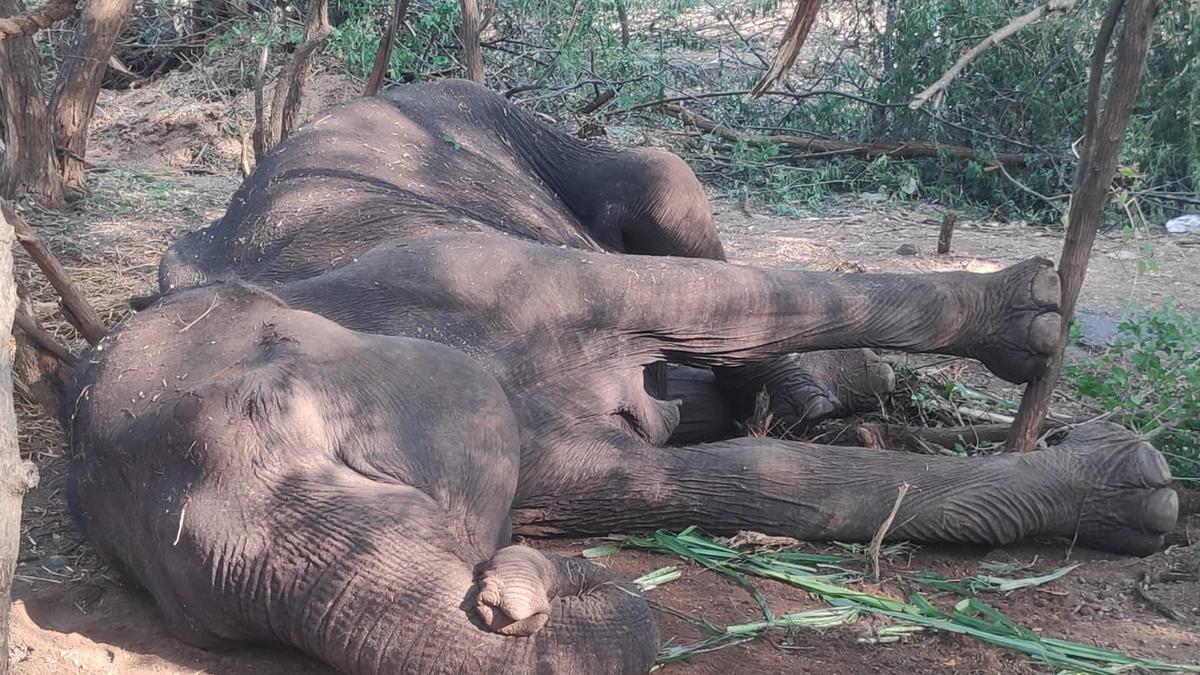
(1102, 486)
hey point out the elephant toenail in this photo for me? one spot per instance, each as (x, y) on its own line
(1161, 511)
(1046, 289)
(819, 406)
(886, 383)
(1044, 333)
(1152, 466)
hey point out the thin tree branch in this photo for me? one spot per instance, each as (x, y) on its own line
(42, 338)
(1096, 74)
(1016, 25)
(77, 308)
(260, 73)
(798, 95)
(1094, 175)
(285, 102)
(383, 55)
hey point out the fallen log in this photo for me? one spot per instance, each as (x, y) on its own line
(827, 147)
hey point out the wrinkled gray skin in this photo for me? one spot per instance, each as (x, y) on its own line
(405, 340)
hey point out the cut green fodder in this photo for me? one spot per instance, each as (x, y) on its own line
(970, 617)
(650, 581)
(986, 583)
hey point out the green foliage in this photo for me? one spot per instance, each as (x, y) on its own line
(1023, 96)
(1150, 379)
(425, 49)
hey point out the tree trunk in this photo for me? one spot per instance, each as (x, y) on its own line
(623, 19)
(1104, 135)
(17, 476)
(78, 84)
(879, 114)
(789, 48)
(469, 34)
(28, 164)
(285, 103)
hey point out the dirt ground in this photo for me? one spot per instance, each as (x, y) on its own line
(162, 167)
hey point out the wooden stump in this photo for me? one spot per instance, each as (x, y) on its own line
(949, 219)
(17, 476)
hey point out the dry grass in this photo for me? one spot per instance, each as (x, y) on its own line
(110, 244)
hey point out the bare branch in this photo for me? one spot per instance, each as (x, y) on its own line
(1015, 26)
(1096, 74)
(42, 338)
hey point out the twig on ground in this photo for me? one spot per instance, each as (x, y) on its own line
(884, 527)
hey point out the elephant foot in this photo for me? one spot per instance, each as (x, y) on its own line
(1117, 499)
(1018, 320)
(821, 385)
(515, 589)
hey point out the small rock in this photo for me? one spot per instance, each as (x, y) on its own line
(1184, 224)
(907, 249)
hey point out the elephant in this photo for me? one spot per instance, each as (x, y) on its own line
(429, 322)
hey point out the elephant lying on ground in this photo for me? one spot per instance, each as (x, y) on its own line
(409, 338)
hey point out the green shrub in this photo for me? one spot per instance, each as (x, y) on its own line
(1150, 379)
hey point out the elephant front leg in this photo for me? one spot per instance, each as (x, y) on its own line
(803, 389)
(727, 316)
(1102, 487)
